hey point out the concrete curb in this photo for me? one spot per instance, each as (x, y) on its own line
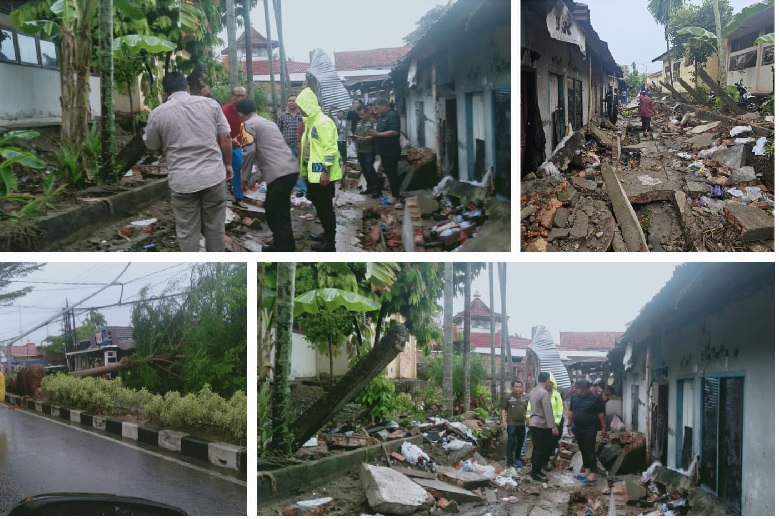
(221, 454)
(79, 222)
(279, 483)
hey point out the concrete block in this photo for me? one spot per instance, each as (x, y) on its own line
(461, 454)
(754, 223)
(583, 183)
(732, 156)
(55, 411)
(391, 493)
(703, 128)
(697, 189)
(745, 174)
(626, 216)
(98, 422)
(635, 490)
(224, 455)
(170, 440)
(442, 489)
(561, 217)
(75, 416)
(39, 406)
(467, 480)
(130, 430)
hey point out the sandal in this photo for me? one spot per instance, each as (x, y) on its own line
(589, 482)
(580, 477)
(385, 201)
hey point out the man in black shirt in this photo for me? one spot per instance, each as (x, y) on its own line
(387, 140)
(586, 414)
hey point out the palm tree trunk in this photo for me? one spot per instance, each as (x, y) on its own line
(720, 45)
(107, 129)
(330, 352)
(285, 293)
(467, 341)
(492, 336)
(670, 60)
(505, 347)
(274, 104)
(232, 55)
(448, 351)
(247, 24)
(282, 54)
(260, 312)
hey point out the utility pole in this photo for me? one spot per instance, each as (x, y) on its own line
(231, 42)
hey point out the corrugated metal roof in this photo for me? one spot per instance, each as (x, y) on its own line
(547, 357)
(332, 92)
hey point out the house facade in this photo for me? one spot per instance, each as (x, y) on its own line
(453, 91)
(696, 373)
(567, 74)
(364, 72)
(682, 69)
(749, 61)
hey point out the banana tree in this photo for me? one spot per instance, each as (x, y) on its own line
(11, 155)
(331, 309)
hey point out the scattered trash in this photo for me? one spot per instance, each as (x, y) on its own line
(738, 130)
(510, 499)
(413, 454)
(504, 482)
(759, 147)
(312, 442)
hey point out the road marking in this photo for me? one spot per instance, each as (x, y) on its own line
(141, 449)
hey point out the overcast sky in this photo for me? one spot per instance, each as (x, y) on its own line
(47, 299)
(340, 25)
(632, 33)
(574, 297)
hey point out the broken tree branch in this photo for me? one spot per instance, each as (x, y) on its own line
(694, 93)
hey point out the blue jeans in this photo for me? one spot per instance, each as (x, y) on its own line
(237, 162)
(300, 186)
(516, 440)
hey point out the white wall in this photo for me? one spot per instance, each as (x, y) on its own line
(746, 326)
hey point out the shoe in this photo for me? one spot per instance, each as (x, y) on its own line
(317, 236)
(548, 467)
(539, 477)
(580, 477)
(323, 247)
(517, 464)
(366, 192)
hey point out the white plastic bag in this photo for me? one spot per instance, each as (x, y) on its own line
(738, 130)
(759, 147)
(454, 445)
(412, 453)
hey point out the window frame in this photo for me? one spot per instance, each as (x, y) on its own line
(14, 44)
(18, 58)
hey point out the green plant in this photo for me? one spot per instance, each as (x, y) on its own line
(483, 413)
(481, 396)
(434, 367)
(378, 397)
(69, 160)
(11, 156)
(769, 149)
(767, 105)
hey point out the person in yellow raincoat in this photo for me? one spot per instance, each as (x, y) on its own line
(320, 166)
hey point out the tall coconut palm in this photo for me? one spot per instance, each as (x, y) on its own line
(448, 348)
(282, 54)
(285, 303)
(268, 40)
(467, 341)
(247, 25)
(505, 348)
(661, 11)
(492, 335)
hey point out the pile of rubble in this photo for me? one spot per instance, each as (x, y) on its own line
(697, 185)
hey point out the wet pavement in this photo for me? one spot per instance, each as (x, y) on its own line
(43, 455)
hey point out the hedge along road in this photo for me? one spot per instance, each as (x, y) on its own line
(42, 455)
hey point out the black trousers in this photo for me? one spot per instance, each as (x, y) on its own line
(390, 163)
(366, 166)
(277, 212)
(543, 448)
(322, 198)
(645, 121)
(585, 438)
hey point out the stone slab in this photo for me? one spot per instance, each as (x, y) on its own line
(583, 183)
(697, 189)
(447, 490)
(755, 223)
(632, 233)
(732, 156)
(702, 140)
(467, 480)
(391, 493)
(703, 128)
(645, 186)
(561, 217)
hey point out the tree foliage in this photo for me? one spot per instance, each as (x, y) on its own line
(695, 49)
(633, 77)
(434, 368)
(206, 329)
(425, 22)
(12, 272)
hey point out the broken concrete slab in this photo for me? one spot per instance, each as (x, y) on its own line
(580, 225)
(754, 223)
(583, 183)
(643, 187)
(568, 197)
(319, 506)
(705, 127)
(391, 493)
(467, 480)
(461, 454)
(566, 149)
(561, 217)
(731, 156)
(635, 490)
(557, 233)
(414, 473)
(442, 489)
(745, 174)
(697, 189)
(527, 212)
(632, 233)
(702, 140)
(602, 136)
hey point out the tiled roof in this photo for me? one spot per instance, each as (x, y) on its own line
(570, 341)
(478, 309)
(363, 59)
(257, 40)
(482, 340)
(262, 67)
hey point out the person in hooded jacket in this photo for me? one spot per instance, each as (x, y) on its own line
(320, 166)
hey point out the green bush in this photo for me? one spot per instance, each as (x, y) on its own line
(378, 397)
(204, 409)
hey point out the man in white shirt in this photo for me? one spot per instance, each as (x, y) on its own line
(194, 135)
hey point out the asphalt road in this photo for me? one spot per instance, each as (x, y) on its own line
(42, 455)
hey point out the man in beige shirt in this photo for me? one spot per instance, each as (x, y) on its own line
(194, 135)
(542, 426)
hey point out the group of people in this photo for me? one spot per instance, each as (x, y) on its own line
(543, 413)
(207, 145)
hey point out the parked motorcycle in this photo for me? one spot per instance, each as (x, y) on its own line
(749, 102)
